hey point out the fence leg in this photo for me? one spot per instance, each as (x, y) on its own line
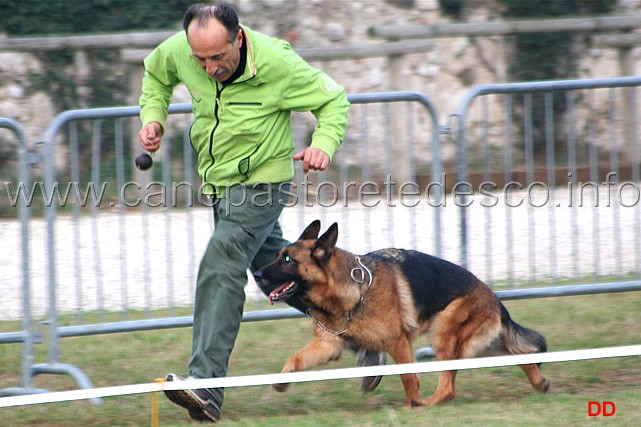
(74, 372)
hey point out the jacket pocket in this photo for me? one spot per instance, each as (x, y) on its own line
(244, 165)
(243, 104)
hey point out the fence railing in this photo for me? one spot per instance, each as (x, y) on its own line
(571, 151)
(26, 335)
(392, 184)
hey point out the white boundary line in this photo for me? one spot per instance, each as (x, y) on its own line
(333, 374)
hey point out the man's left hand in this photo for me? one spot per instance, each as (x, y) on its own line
(313, 159)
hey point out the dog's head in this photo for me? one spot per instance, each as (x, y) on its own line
(300, 264)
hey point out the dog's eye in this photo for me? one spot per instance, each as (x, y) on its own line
(287, 258)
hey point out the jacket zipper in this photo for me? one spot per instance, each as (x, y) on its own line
(219, 90)
(231, 103)
(211, 135)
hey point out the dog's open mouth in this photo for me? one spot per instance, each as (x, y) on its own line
(283, 292)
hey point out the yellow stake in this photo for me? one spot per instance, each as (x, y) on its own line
(155, 404)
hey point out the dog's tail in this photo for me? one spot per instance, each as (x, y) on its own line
(519, 339)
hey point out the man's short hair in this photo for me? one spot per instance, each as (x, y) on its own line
(222, 11)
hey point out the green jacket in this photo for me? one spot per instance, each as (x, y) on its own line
(242, 132)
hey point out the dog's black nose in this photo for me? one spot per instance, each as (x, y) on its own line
(258, 275)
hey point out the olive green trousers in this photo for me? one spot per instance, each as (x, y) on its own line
(246, 235)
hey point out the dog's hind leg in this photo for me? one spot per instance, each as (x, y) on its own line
(535, 377)
(518, 339)
(461, 330)
(401, 351)
(446, 389)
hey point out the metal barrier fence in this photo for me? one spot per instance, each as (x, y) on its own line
(26, 335)
(106, 221)
(562, 160)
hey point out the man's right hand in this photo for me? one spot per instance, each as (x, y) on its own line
(149, 136)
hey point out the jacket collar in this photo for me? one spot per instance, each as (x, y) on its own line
(250, 66)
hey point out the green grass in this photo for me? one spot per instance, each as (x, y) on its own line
(495, 396)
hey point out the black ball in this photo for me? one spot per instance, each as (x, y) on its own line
(144, 161)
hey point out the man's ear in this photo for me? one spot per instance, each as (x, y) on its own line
(311, 232)
(239, 38)
(323, 247)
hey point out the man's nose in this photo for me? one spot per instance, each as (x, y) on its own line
(211, 67)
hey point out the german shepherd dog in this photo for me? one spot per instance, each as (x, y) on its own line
(384, 300)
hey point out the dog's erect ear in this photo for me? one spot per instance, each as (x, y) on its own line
(311, 232)
(330, 237)
(325, 243)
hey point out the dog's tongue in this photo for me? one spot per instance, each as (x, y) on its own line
(273, 296)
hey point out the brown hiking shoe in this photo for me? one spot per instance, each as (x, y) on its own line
(202, 404)
(370, 358)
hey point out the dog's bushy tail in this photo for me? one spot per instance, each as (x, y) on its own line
(519, 339)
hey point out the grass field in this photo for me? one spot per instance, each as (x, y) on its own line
(486, 397)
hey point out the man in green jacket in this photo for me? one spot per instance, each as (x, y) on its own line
(244, 86)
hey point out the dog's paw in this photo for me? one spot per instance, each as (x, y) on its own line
(417, 404)
(281, 388)
(545, 386)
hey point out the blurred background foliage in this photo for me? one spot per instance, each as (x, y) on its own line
(31, 17)
(107, 82)
(546, 56)
(63, 17)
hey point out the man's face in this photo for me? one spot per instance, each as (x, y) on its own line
(211, 47)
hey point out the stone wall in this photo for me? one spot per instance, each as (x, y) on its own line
(445, 72)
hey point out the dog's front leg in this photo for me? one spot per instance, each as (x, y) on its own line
(401, 351)
(321, 349)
